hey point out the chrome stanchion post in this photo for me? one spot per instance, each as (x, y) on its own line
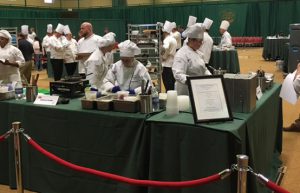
(17, 152)
(242, 168)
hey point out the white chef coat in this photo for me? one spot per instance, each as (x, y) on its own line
(187, 62)
(226, 40)
(70, 51)
(296, 84)
(12, 54)
(127, 77)
(206, 47)
(57, 47)
(45, 43)
(177, 37)
(169, 45)
(96, 68)
(87, 45)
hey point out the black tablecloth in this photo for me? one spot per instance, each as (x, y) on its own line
(226, 60)
(274, 48)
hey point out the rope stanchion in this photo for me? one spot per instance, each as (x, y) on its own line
(271, 185)
(150, 183)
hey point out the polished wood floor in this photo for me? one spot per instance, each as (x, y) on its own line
(251, 60)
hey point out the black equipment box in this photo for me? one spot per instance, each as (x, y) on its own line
(67, 88)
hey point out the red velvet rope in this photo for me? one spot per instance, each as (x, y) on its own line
(275, 187)
(2, 138)
(166, 184)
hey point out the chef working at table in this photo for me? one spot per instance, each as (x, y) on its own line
(127, 73)
(188, 60)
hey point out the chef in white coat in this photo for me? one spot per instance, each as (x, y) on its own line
(97, 64)
(226, 41)
(70, 51)
(86, 45)
(45, 42)
(176, 34)
(57, 48)
(168, 52)
(208, 42)
(189, 60)
(11, 59)
(127, 73)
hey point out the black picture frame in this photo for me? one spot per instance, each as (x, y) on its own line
(209, 99)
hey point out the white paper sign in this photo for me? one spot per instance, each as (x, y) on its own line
(46, 100)
(258, 93)
(287, 91)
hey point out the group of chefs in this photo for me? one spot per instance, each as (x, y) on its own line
(94, 56)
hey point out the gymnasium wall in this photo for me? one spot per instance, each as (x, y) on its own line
(248, 18)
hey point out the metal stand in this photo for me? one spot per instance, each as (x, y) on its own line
(242, 168)
(17, 152)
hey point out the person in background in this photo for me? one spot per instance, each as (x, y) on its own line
(32, 34)
(226, 41)
(24, 31)
(208, 42)
(11, 59)
(167, 54)
(70, 52)
(86, 45)
(296, 83)
(97, 64)
(27, 50)
(105, 31)
(57, 48)
(38, 54)
(45, 43)
(189, 60)
(175, 34)
(127, 73)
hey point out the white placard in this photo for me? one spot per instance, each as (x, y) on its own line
(258, 93)
(46, 100)
(287, 91)
(208, 98)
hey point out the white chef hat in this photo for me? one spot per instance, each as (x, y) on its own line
(167, 27)
(67, 30)
(207, 23)
(195, 31)
(128, 49)
(224, 25)
(24, 29)
(174, 25)
(49, 28)
(5, 34)
(192, 20)
(107, 40)
(60, 28)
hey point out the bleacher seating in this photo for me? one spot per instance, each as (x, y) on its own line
(247, 41)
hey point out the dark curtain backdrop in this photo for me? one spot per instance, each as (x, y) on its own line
(251, 18)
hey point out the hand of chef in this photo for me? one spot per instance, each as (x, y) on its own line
(115, 89)
(131, 91)
(6, 62)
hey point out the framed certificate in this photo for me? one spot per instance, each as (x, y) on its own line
(209, 99)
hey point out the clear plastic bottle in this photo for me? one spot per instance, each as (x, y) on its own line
(155, 99)
(19, 90)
